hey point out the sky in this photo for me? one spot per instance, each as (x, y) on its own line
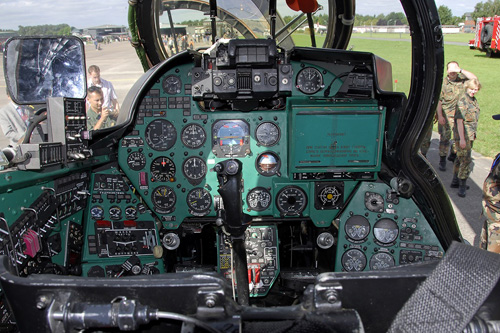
(83, 14)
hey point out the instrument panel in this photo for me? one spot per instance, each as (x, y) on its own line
(306, 151)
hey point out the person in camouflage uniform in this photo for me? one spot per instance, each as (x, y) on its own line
(451, 90)
(464, 132)
(490, 234)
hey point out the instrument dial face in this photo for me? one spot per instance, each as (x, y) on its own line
(162, 169)
(357, 228)
(131, 213)
(353, 260)
(97, 212)
(259, 199)
(136, 161)
(291, 200)
(329, 196)
(374, 202)
(267, 134)
(172, 85)
(194, 168)
(231, 138)
(385, 231)
(160, 134)
(193, 136)
(164, 199)
(115, 213)
(309, 80)
(381, 260)
(268, 164)
(199, 201)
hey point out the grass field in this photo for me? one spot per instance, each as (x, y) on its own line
(399, 54)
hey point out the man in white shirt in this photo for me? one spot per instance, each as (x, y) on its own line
(110, 99)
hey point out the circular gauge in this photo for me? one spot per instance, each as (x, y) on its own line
(193, 136)
(162, 169)
(381, 260)
(164, 199)
(115, 213)
(136, 161)
(357, 227)
(160, 134)
(385, 231)
(268, 164)
(374, 202)
(353, 260)
(267, 134)
(259, 199)
(309, 80)
(199, 201)
(291, 200)
(97, 213)
(194, 168)
(329, 196)
(172, 85)
(131, 213)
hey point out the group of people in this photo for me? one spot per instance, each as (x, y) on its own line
(102, 103)
(102, 109)
(457, 114)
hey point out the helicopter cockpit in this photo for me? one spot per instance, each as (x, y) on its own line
(246, 184)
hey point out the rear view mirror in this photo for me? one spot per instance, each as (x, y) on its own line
(39, 67)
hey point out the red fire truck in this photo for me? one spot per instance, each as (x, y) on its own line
(487, 37)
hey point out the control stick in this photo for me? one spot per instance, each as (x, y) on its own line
(234, 220)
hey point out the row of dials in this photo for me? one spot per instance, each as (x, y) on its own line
(354, 260)
(194, 168)
(309, 81)
(290, 200)
(385, 230)
(115, 213)
(161, 135)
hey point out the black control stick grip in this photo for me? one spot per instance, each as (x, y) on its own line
(229, 176)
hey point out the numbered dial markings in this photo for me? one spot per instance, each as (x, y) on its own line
(194, 168)
(162, 169)
(259, 199)
(160, 134)
(309, 80)
(193, 136)
(115, 213)
(291, 200)
(163, 198)
(357, 228)
(199, 202)
(267, 134)
(172, 85)
(136, 161)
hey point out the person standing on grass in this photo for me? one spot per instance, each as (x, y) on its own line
(451, 90)
(464, 132)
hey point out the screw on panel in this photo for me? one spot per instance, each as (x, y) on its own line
(42, 302)
(332, 296)
(210, 301)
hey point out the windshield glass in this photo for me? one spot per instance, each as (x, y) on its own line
(104, 30)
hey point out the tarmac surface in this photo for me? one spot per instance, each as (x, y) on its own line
(120, 65)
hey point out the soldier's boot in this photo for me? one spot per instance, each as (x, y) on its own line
(442, 163)
(462, 187)
(452, 156)
(454, 181)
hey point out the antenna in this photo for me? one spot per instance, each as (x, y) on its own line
(272, 14)
(213, 15)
